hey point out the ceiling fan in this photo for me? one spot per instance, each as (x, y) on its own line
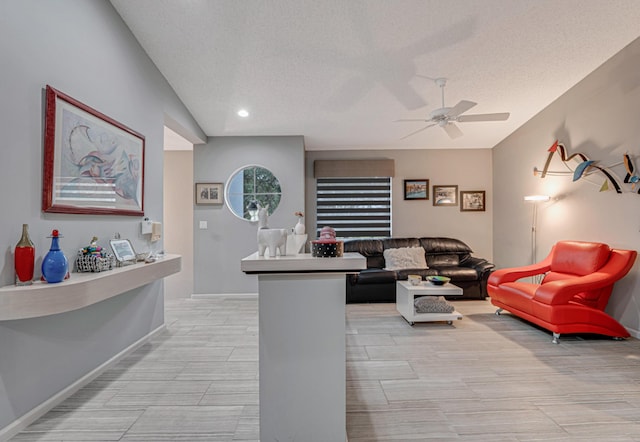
(445, 117)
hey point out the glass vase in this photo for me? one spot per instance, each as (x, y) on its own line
(54, 265)
(25, 255)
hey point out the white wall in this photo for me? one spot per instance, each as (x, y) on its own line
(219, 249)
(178, 219)
(83, 49)
(469, 169)
(597, 117)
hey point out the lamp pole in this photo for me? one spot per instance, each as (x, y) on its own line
(534, 223)
(535, 199)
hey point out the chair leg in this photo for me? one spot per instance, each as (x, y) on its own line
(498, 312)
(556, 337)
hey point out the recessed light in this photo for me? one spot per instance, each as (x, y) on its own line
(243, 113)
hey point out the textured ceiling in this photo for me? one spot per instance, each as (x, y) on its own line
(340, 72)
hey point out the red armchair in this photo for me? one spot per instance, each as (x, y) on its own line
(576, 286)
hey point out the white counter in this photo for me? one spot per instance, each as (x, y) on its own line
(302, 345)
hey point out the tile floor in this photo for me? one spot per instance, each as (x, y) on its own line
(484, 378)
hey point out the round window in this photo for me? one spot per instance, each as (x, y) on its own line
(251, 187)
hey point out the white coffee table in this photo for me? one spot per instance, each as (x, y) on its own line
(406, 294)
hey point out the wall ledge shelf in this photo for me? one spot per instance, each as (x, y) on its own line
(81, 290)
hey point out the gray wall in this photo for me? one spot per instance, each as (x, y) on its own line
(469, 169)
(597, 117)
(219, 249)
(83, 49)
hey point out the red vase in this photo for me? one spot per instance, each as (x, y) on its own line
(24, 258)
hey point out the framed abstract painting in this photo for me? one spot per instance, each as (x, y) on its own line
(92, 163)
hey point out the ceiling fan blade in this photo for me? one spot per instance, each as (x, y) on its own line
(483, 117)
(452, 130)
(419, 130)
(460, 108)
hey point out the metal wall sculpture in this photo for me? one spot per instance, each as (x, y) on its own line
(587, 167)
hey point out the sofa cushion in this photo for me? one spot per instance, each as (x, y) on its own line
(518, 295)
(444, 246)
(369, 248)
(396, 243)
(579, 258)
(442, 260)
(366, 247)
(404, 258)
(376, 276)
(458, 273)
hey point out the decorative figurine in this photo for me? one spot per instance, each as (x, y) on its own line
(94, 258)
(272, 239)
(327, 246)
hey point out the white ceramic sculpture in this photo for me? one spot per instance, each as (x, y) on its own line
(273, 239)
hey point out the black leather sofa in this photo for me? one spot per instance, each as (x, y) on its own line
(444, 256)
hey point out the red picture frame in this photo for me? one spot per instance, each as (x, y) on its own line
(92, 163)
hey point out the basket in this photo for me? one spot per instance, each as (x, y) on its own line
(94, 263)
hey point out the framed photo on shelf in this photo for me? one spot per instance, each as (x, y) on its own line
(445, 195)
(417, 189)
(209, 193)
(472, 200)
(92, 164)
(123, 250)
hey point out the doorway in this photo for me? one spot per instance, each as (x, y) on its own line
(178, 211)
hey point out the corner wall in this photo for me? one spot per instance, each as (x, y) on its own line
(597, 117)
(83, 49)
(219, 249)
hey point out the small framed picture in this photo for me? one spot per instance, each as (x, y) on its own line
(445, 195)
(416, 189)
(123, 250)
(472, 200)
(209, 193)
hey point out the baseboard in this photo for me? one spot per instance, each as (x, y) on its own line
(28, 418)
(224, 295)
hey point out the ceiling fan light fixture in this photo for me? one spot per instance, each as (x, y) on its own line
(445, 116)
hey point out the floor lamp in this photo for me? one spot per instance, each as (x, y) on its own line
(535, 199)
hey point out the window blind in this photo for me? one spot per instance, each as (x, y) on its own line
(354, 207)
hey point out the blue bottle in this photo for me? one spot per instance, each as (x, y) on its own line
(54, 265)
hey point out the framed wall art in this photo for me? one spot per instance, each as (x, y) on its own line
(417, 189)
(472, 200)
(92, 163)
(209, 193)
(445, 195)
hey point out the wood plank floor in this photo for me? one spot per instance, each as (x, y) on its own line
(483, 378)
